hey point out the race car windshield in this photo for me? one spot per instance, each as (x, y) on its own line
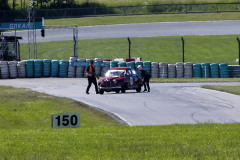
(115, 73)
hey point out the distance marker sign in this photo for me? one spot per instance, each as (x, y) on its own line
(65, 120)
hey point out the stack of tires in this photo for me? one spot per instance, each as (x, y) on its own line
(54, 68)
(154, 69)
(4, 69)
(214, 68)
(179, 70)
(38, 68)
(147, 66)
(163, 70)
(80, 69)
(131, 64)
(12, 69)
(46, 68)
(122, 64)
(113, 64)
(205, 70)
(171, 70)
(197, 73)
(105, 68)
(224, 71)
(30, 68)
(63, 68)
(188, 70)
(21, 67)
(72, 69)
(98, 68)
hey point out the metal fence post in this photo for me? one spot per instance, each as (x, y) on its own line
(183, 50)
(238, 51)
(129, 48)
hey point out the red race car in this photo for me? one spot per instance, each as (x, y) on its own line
(120, 79)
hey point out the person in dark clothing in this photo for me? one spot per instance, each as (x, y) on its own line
(91, 77)
(146, 78)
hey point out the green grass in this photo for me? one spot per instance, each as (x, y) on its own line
(198, 49)
(229, 89)
(92, 21)
(26, 133)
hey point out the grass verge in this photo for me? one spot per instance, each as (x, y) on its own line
(198, 49)
(26, 133)
(108, 20)
(228, 89)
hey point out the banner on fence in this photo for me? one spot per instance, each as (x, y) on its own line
(84, 64)
(20, 24)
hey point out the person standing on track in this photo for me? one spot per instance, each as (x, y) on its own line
(91, 77)
(146, 78)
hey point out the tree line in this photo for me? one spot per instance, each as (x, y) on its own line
(44, 4)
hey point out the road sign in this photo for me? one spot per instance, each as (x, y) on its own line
(21, 24)
(65, 120)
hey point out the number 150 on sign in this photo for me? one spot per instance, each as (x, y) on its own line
(65, 120)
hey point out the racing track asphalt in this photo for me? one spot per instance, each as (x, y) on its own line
(139, 30)
(167, 103)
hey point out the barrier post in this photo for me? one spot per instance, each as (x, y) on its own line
(183, 50)
(129, 48)
(238, 51)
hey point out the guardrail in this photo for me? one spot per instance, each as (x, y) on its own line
(127, 10)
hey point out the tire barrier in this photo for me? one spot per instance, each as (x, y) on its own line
(71, 69)
(122, 64)
(4, 69)
(80, 69)
(131, 64)
(21, 67)
(113, 64)
(30, 68)
(62, 68)
(205, 70)
(188, 70)
(171, 70)
(12, 69)
(97, 68)
(234, 71)
(214, 69)
(155, 70)
(179, 70)
(224, 71)
(46, 68)
(54, 68)
(197, 71)
(38, 68)
(163, 70)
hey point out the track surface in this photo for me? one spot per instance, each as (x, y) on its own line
(140, 30)
(167, 103)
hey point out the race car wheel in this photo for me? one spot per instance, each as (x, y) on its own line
(101, 91)
(117, 91)
(139, 88)
(123, 89)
